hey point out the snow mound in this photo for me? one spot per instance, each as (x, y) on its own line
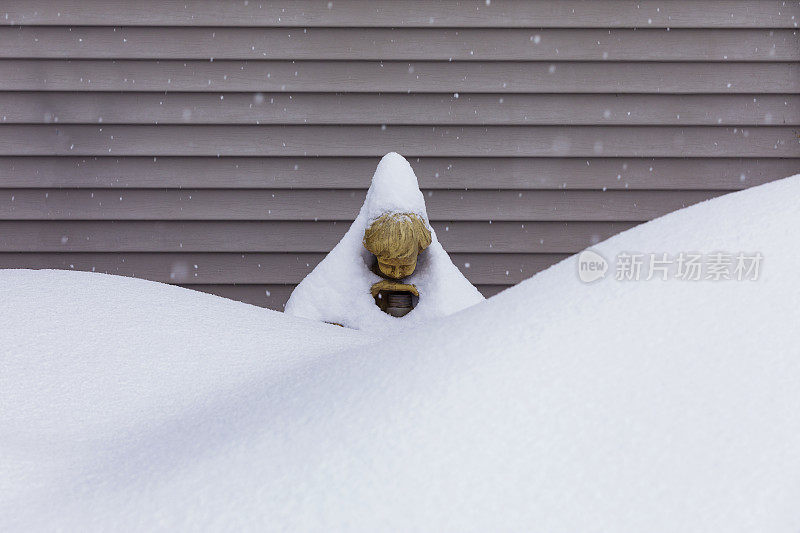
(338, 289)
(91, 364)
(556, 406)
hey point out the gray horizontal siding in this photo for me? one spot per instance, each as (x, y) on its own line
(399, 109)
(226, 147)
(419, 13)
(260, 268)
(287, 236)
(399, 76)
(399, 44)
(338, 204)
(507, 141)
(434, 173)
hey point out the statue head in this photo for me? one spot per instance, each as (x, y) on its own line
(396, 239)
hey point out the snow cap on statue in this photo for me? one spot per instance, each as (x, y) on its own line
(394, 189)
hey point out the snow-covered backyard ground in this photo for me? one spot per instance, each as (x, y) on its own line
(556, 406)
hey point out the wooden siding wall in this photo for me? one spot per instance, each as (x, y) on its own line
(225, 146)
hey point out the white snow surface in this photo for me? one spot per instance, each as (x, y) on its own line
(555, 406)
(338, 289)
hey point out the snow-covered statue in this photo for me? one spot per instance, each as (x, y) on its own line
(396, 239)
(389, 269)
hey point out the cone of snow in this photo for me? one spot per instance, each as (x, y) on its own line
(338, 289)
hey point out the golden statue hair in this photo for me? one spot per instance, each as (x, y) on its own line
(399, 236)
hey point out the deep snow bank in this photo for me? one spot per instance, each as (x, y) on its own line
(93, 365)
(555, 406)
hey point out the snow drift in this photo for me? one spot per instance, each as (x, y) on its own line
(555, 406)
(338, 289)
